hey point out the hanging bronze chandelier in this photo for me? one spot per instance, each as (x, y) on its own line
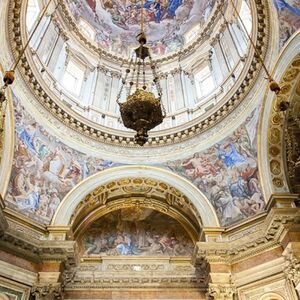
(142, 110)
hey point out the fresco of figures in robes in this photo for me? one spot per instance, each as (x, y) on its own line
(289, 18)
(117, 22)
(136, 232)
(44, 169)
(227, 174)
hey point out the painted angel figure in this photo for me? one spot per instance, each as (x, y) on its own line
(282, 5)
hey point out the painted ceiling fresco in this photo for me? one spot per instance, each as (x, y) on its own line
(227, 173)
(117, 22)
(136, 232)
(289, 18)
(45, 170)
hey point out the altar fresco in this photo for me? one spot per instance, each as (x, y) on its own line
(117, 22)
(135, 232)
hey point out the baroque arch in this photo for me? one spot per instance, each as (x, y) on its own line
(69, 212)
(273, 121)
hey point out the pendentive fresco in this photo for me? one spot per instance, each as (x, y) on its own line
(117, 22)
(45, 170)
(289, 18)
(227, 173)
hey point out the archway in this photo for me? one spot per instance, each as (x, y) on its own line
(64, 213)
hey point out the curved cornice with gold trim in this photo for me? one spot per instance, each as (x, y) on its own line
(136, 192)
(115, 137)
(185, 193)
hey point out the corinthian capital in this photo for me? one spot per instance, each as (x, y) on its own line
(47, 292)
(220, 291)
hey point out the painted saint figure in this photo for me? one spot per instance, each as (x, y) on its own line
(172, 7)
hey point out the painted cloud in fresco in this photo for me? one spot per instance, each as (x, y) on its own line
(135, 233)
(44, 169)
(117, 22)
(227, 174)
(289, 18)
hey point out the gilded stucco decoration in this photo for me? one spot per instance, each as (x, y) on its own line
(277, 127)
(292, 140)
(136, 194)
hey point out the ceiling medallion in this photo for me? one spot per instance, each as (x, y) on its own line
(142, 110)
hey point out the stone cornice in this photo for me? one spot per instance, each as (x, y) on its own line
(268, 236)
(115, 137)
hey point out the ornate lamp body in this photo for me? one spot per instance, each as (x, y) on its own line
(142, 111)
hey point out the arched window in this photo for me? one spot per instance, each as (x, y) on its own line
(245, 14)
(32, 14)
(204, 82)
(73, 77)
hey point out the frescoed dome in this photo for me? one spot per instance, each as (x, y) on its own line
(169, 24)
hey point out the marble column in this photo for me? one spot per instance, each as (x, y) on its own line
(40, 32)
(54, 59)
(98, 97)
(114, 89)
(231, 44)
(179, 89)
(222, 65)
(216, 70)
(165, 96)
